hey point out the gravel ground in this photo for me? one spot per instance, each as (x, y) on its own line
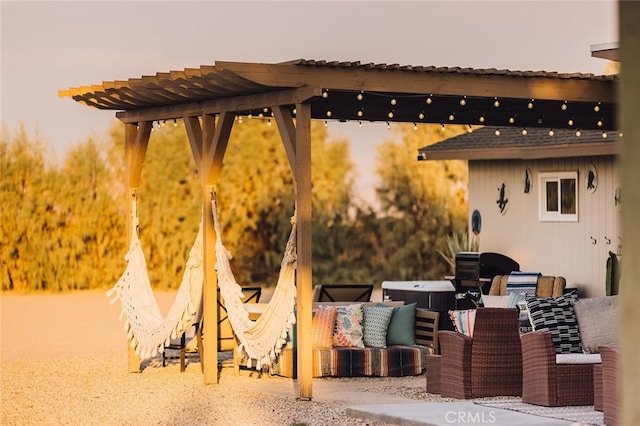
(64, 363)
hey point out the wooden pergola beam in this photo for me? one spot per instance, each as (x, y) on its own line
(445, 83)
(232, 104)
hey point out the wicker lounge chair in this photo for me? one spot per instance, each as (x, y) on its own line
(489, 364)
(544, 382)
(610, 384)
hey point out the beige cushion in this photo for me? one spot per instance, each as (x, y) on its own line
(598, 321)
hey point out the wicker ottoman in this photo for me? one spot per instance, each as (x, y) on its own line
(433, 373)
(597, 387)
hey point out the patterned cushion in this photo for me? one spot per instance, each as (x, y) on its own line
(323, 323)
(376, 323)
(556, 316)
(463, 321)
(348, 330)
(598, 321)
(402, 327)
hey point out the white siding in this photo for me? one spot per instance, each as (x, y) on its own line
(576, 250)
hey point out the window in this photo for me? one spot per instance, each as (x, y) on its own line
(558, 197)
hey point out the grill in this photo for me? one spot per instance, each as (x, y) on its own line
(476, 270)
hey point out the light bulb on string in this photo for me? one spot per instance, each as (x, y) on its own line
(421, 116)
(599, 123)
(360, 96)
(530, 104)
(326, 124)
(570, 122)
(429, 100)
(463, 101)
(578, 133)
(442, 127)
(250, 116)
(360, 124)
(452, 117)
(393, 101)
(512, 120)
(415, 126)
(360, 113)
(269, 122)
(295, 111)
(469, 128)
(604, 134)
(175, 123)
(496, 103)
(551, 133)
(239, 119)
(524, 131)
(481, 119)
(265, 110)
(620, 134)
(329, 114)
(390, 114)
(497, 132)
(388, 125)
(596, 108)
(325, 94)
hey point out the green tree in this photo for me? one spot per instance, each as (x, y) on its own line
(423, 203)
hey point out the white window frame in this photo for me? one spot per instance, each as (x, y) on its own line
(555, 216)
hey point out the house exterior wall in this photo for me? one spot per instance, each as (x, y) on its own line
(576, 250)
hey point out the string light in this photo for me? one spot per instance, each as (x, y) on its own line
(551, 132)
(326, 124)
(421, 116)
(240, 119)
(390, 115)
(620, 134)
(524, 131)
(564, 106)
(265, 110)
(497, 132)
(329, 113)
(415, 126)
(163, 123)
(388, 125)
(496, 103)
(512, 120)
(393, 101)
(530, 104)
(268, 122)
(570, 122)
(360, 96)
(481, 119)
(463, 101)
(175, 123)
(599, 123)
(604, 134)
(597, 107)
(428, 101)
(360, 124)
(325, 94)
(452, 117)
(442, 127)
(469, 128)
(360, 113)
(578, 133)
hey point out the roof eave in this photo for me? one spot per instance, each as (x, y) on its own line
(522, 153)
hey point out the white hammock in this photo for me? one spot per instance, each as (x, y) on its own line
(147, 330)
(149, 333)
(262, 339)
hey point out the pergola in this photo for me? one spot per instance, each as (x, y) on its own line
(209, 98)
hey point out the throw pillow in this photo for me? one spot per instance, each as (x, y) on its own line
(402, 327)
(556, 316)
(463, 321)
(598, 321)
(348, 330)
(376, 324)
(323, 324)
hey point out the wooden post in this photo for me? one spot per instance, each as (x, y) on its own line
(136, 142)
(628, 94)
(303, 276)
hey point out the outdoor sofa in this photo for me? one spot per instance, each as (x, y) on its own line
(410, 336)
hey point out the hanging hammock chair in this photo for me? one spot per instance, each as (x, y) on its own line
(150, 333)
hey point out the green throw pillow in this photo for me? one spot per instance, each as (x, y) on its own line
(402, 328)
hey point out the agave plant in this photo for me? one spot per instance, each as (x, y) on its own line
(456, 243)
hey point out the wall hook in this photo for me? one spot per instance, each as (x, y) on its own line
(593, 240)
(607, 240)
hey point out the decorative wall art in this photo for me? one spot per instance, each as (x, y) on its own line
(591, 179)
(503, 198)
(528, 178)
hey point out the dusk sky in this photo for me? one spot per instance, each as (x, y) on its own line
(47, 46)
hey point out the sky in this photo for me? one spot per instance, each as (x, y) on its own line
(52, 45)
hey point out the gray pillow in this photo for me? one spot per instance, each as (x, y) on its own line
(598, 321)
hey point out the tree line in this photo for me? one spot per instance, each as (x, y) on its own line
(63, 225)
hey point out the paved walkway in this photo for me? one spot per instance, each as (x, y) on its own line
(447, 414)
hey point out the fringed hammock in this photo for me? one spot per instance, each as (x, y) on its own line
(149, 332)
